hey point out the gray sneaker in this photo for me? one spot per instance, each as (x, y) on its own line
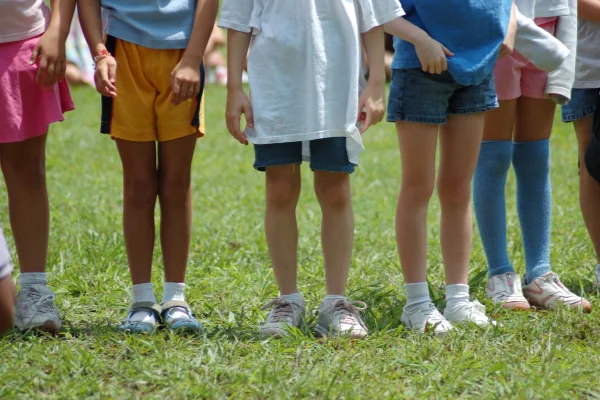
(284, 315)
(341, 318)
(35, 310)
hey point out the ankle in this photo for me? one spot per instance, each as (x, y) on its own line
(456, 294)
(27, 279)
(173, 291)
(143, 292)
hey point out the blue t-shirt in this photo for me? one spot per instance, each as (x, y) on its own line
(157, 24)
(471, 29)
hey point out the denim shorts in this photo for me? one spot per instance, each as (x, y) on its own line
(582, 104)
(417, 96)
(328, 154)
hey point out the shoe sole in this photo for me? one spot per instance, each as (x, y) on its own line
(47, 327)
(586, 307)
(322, 332)
(517, 306)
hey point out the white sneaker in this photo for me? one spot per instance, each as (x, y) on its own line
(425, 318)
(35, 309)
(506, 290)
(285, 314)
(341, 318)
(547, 291)
(472, 311)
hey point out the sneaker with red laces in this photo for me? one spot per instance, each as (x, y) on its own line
(548, 292)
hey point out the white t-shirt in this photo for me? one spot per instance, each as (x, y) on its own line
(587, 71)
(305, 65)
(22, 19)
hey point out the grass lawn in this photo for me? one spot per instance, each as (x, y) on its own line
(534, 355)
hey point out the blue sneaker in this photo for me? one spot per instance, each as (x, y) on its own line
(143, 317)
(177, 316)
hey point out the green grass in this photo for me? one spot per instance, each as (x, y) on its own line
(535, 355)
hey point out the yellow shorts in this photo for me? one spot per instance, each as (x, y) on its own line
(142, 110)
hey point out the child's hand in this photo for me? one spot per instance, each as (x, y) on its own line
(185, 81)
(238, 104)
(508, 46)
(50, 55)
(105, 76)
(432, 55)
(372, 101)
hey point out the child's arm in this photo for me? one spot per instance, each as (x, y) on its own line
(372, 98)
(238, 103)
(106, 66)
(589, 10)
(432, 54)
(185, 78)
(50, 52)
(508, 46)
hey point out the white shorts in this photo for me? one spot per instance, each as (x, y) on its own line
(5, 263)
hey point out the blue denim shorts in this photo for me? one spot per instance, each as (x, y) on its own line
(417, 96)
(328, 154)
(582, 104)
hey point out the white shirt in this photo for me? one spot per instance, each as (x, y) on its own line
(587, 71)
(22, 19)
(305, 65)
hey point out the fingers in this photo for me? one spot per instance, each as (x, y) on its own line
(49, 78)
(233, 126)
(176, 89)
(247, 110)
(105, 78)
(42, 69)
(368, 122)
(447, 52)
(444, 65)
(34, 55)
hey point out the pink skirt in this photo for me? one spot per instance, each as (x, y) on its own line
(26, 110)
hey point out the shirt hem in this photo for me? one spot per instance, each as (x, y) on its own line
(374, 23)
(17, 37)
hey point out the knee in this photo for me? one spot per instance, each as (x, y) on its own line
(454, 192)
(282, 194)
(417, 192)
(140, 191)
(334, 195)
(27, 170)
(174, 188)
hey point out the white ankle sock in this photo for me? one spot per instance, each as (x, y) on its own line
(456, 294)
(416, 295)
(27, 279)
(143, 292)
(173, 291)
(296, 298)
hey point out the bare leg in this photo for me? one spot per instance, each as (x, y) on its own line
(460, 143)
(24, 168)
(337, 229)
(140, 188)
(418, 144)
(7, 304)
(281, 229)
(589, 189)
(174, 172)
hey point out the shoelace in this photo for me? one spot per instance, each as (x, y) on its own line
(282, 310)
(41, 303)
(554, 278)
(348, 310)
(475, 307)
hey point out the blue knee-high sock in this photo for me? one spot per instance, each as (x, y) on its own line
(489, 184)
(531, 161)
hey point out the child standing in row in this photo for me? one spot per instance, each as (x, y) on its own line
(305, 73)
(33, 96)
(580, 111)
(154, 96)
(442, 90)
(518, 133)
